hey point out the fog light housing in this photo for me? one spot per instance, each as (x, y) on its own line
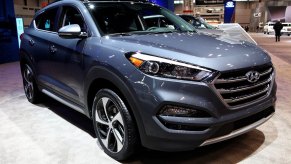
(170, 110)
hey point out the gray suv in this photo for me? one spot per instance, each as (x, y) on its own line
(145, 83)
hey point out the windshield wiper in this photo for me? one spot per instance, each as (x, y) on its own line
(161, 32)
(120, 34)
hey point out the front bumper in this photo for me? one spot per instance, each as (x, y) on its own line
(154, 93)
(238, 132)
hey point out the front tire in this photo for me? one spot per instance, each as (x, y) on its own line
(114, 126)
(31, 91)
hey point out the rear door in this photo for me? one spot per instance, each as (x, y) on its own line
(40, 36)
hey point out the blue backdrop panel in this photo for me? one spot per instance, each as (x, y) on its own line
(169, 4)
(8, 34)
(229, 11)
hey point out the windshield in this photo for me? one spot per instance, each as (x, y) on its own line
(135, 18)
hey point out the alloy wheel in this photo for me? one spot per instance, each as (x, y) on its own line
(28, 82)
(110, 124)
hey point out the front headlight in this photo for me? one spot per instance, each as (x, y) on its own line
(167, 68)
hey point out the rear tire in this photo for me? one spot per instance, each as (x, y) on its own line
(31, 90)
(113, 125)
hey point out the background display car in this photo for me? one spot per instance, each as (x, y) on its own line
(233, 31)
(158, 21)
(286, 29)
(230, 31)
(163, 87)
(202, 26)
(268, 28)
(197, 22)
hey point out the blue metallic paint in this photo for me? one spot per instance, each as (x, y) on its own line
(80, 62)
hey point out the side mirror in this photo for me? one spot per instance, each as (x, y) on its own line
(71, 31)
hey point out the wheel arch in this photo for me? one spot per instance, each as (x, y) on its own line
(25, 58)
(100, 77)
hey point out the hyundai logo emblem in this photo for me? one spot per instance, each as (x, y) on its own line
(229, 4)
(253, 76)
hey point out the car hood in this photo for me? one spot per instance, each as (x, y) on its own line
(210, 31)
(220, 53)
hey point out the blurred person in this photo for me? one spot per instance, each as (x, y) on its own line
(247, 28)
(277, 28)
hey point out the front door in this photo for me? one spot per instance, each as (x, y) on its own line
(68, 57)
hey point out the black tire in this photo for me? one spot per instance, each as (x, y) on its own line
(31, 90)
(113, 125)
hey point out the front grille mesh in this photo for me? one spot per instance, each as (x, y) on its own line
(236, 90)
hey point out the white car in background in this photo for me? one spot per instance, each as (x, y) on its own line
(286, 28)
(268, 28)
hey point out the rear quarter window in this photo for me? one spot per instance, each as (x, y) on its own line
(46, 20)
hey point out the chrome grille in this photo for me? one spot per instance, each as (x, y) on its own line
(235, 89)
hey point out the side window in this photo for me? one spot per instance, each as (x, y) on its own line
(46, 20)
(70, 16)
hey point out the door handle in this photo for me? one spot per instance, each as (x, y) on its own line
(31, 42)
(53, 49)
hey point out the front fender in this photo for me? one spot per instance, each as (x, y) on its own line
(121, 83)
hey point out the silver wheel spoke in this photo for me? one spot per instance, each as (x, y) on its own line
(30, 90)
(26, 88)
(104, 102)
(28, 85)
(26, 72)
(118, 118)
(118, 139)
(97, 118)
(105, 141)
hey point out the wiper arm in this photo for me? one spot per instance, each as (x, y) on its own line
(161, 32)
(121, 34)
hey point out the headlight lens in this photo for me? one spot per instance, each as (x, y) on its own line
(168, 68)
